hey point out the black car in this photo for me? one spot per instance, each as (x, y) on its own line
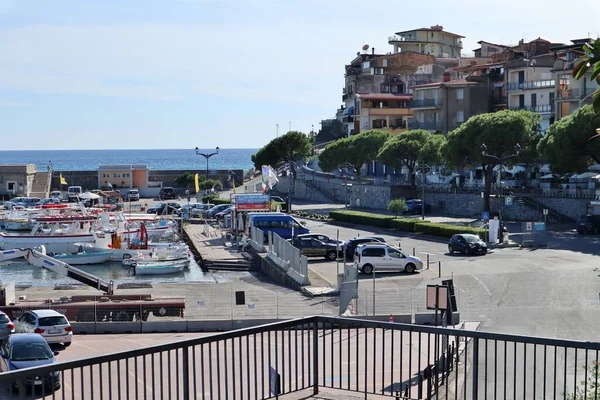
(171, 208)
(468, 244)
(351, 244)
(588, 224)
(167, 193)
(311, 247)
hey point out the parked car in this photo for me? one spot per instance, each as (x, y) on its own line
(350, 245)
(323, 238)
(197, 210)
(133, 195)
(73, 193)
(216, 209)
(56, 194)
(284, 203)
(414, 206)
(311, 247)
(170, 207)
(22, 202)
(467, 244)
(375, 257)
(6, 326)
(283, 225)
(224, 213)
(28, 350)
(52, 325)
(588, 224)
(167, 193)
(50, 201)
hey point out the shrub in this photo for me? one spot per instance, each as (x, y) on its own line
(404, 224)
(215, 199)
(446, 230)
(397, 206)
(274, 205)
(361, 218)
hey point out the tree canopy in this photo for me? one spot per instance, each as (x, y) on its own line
(500, 132)
(184, 180)
(292, 146)
(355, 150)
(410, 148)
(591, 60)
(567, 145)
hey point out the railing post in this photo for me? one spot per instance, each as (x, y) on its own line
(475, 367)
(185, 370)
(315, 346)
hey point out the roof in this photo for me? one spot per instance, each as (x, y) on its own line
(46, 313)
(455, 82)
(430, 30)
(493, 44)
(383, 96)
(26, 337)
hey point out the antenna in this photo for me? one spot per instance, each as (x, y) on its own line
(277, 129)
(290, 127)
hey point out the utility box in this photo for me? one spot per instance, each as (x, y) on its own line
(7, 294)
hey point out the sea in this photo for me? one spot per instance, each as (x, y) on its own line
(156, 159)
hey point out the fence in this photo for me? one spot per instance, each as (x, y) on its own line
(305, 355)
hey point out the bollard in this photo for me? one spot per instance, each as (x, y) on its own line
(427, 260)
(439, 269)
(414, 252)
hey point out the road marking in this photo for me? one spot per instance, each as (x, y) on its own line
(482, 285)
(84, 346)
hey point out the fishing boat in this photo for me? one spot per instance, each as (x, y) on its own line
(156, 256)
(158, 267)
(84, 257)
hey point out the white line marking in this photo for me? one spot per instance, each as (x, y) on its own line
(483, 285)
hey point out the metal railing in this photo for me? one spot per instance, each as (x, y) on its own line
(531, 84)
(538, 108)
(425, 125)
(288, 258)
(370, 357)
(418, 103)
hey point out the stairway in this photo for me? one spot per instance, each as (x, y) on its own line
(553, 215)
(332, 196)
(41, 185)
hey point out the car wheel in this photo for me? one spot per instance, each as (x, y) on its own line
(367, 269)
(450, 249)
(410, 268)
(468, 251)
(331, 255)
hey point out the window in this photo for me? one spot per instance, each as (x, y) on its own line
(460, 116)
(374, 252)
(385, 62)
(395, 253)
(460, 94)
(366, 64)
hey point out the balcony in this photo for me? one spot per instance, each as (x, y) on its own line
(430, 126)
(425, 103)
(545, 108)
(353, 72)
(348, 119)
(498, 101)
(576, 94)
(345, 96)
(548, 83)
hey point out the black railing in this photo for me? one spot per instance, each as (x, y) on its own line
(398, 360)
(418, 103)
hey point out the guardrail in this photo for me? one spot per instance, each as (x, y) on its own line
(288, 258)
(307, 354)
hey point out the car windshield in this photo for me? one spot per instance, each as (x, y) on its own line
(3, 319)
(31, 352)
(471, 238)
(51, 321)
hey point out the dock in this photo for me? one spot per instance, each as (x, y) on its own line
(213, 250)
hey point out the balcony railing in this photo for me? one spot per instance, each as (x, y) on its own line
(546, 108)
(575, 94)
(354, 71)
(531, 84)
(421, 103)
(496, 101)
(348, 118)
(304, 355)
(430, 126)
(345, 96)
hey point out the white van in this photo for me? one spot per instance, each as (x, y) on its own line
(74, 192)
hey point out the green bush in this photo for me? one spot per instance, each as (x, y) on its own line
(216, 200)
(397, 206)
(404, 224)
(445, 230)
(274, 205)
(362, 218)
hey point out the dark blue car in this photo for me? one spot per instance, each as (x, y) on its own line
(27, 350)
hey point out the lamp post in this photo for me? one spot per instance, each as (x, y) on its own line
(423, 167)
(207, 156)
(500, 161)
(343, 173)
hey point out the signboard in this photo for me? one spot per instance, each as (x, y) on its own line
(529, 226)
(437, 297)
(545, 211)
(274, 381)
(485, 215)
(508, 201)
(539, 226)
(253, 202)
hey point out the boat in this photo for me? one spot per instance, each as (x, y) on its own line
(155, 256)
(158, 268)
(17, 224)
(84, 257)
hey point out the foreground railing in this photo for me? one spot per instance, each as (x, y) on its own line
(403, 361)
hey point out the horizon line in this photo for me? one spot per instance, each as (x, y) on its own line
(228, 148)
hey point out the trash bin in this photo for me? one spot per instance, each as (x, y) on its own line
(504, 235)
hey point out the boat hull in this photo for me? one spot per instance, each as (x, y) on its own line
(53, 244)
(159, 270)
(85, 258)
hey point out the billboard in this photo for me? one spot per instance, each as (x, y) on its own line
(253, 202)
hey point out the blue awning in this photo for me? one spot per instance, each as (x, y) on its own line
(349, 111)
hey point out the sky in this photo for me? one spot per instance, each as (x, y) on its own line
(125, 74)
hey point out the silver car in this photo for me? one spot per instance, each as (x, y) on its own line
(6, 326)
(52, 325)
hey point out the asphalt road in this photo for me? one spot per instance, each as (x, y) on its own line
(551, 292)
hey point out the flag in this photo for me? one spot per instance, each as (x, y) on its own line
(63, 181)
(197, 183)
(110, 186)
(269, 177)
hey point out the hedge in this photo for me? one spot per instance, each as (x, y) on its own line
(215, 200)
(403, 224)
(362, 218)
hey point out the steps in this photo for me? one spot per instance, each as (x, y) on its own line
(553, 215)
(41, 186)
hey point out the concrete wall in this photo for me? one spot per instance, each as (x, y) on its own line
(22, 177)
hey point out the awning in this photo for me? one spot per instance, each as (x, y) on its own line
(349, 111)
(586, 176)
(549, 176)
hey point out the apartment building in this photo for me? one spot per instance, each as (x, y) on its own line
(434, 41)
(383, 111)
(442, 107)
(570, 92)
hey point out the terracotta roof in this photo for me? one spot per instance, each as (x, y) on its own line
(455, 82)
(384, 96)
(430, 30)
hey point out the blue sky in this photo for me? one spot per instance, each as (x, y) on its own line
(101, 74)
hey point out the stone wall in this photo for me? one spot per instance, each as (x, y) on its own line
(572, 208)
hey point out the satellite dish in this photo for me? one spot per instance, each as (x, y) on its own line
(365, 47)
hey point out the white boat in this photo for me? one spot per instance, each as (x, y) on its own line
(156, 256)
(84, 258)
(17, 224)
(158, 268)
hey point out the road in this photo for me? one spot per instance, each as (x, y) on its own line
(552, 292)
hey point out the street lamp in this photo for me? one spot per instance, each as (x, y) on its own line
(207, 156)
(500, 161)
(423, 167)
(344, 174)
